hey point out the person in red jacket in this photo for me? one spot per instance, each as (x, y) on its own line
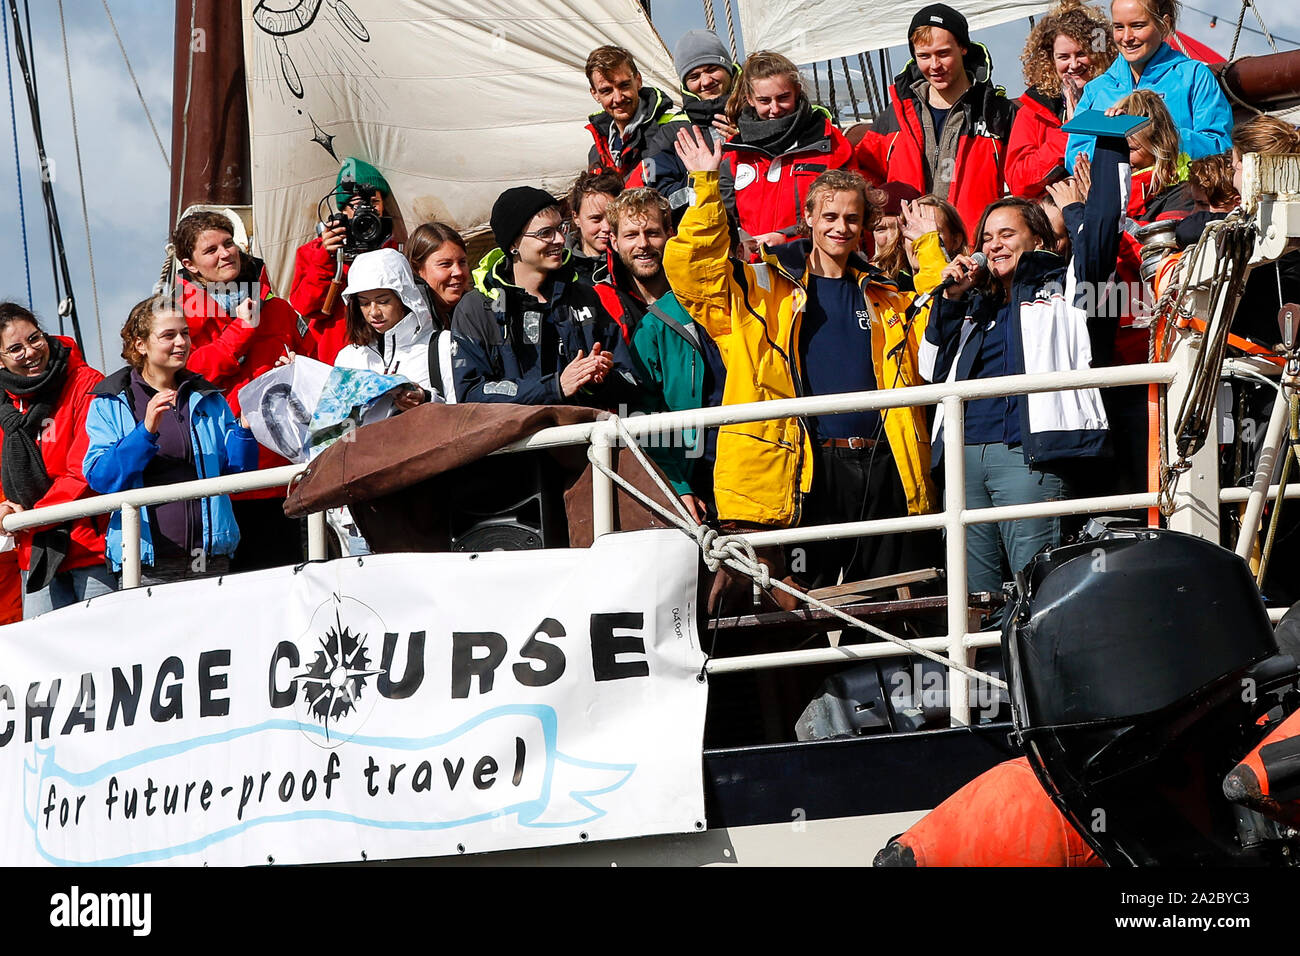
(784, 143)
(45, 387)
(238, 330)
(1065, 50)
(634, 120)
(946, 131)
(316, 264)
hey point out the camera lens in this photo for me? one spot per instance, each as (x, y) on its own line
(367, 228)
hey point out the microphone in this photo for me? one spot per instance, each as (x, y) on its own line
(978, 261)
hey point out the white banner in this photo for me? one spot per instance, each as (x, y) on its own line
(393, 706)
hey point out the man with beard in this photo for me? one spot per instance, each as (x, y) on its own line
(676, 360)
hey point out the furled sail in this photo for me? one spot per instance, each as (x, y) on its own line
(454, 101)
(810, 30)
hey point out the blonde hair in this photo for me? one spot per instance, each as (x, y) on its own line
(1087, 26)
(837, 181)
(636, 204)
(761, 65)
(1159, 137)
(1265, 134)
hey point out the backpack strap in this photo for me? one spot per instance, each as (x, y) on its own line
(440, 374)
(689, 333)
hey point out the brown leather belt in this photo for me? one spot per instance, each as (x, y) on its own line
(854, 443)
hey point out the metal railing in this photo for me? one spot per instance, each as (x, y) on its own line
(958, 644)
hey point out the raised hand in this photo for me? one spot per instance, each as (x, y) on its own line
(1067, 191)
(696, 153)
(249, 312)
(916, 220)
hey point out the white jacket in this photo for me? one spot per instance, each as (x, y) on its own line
(403, 349)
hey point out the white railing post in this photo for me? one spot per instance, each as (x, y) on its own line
(954, 507)
(316, 532)
(602, 486)
(130, 546)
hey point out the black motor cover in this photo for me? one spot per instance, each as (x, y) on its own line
(1132, 660)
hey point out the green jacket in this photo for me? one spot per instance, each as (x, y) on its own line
(672, 364)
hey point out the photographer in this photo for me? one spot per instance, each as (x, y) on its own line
(359, 188)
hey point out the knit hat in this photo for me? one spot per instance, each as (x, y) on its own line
(945, 18)
(357, 172)
(897, 193)
(699, 48)
(513, 209)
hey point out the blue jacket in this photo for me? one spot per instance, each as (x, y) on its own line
(1065, 319)
(120, 448)
(1190, 92)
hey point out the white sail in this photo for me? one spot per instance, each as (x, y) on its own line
(454, 101)
(810, 30)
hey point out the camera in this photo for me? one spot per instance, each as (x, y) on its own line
(365, 230)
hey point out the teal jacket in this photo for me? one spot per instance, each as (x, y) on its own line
(673, 359)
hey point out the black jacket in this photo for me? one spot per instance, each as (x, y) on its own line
(508, 347)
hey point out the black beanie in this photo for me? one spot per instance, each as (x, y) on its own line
(513, 209)
(945, 18)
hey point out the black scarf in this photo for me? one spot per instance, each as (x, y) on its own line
(22, 469)
(773, 136)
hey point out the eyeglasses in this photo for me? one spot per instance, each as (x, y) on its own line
(550, 233)
(35, 342)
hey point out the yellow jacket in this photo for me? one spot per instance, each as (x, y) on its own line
(753, 313)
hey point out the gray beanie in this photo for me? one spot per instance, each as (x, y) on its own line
(699, 48)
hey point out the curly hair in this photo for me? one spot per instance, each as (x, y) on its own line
(139, 323)
(1087, 26)
(1212, 175)
(636, 204)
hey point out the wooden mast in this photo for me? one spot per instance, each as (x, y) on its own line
(210, 137)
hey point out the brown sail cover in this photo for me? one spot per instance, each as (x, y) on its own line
(398, 475)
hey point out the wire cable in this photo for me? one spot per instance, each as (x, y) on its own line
(149, 116)
(18, 165)
(81, 183)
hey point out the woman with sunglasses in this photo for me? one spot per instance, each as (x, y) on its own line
(529, 332)
(46, 395)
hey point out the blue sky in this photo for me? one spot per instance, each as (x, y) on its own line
(126, 179)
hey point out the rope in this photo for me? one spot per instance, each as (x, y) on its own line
(165, 273)
(81, 182)
(1241, 17)
(731, 30)
(1267, 36)
(853, 97)
(737, 553)
(830, 86)
(18, 165)
(149, 116)
(709, 20)
(873, 92)
(817, 84)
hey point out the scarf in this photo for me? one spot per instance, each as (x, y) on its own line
(22, 469)
(773, 136)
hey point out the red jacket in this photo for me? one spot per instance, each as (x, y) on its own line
(1036, 146)
(63, 445)
(230, 354)
(313, 271)
(764, 192)
(895, 150)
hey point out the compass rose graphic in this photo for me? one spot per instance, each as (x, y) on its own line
(333, 684)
